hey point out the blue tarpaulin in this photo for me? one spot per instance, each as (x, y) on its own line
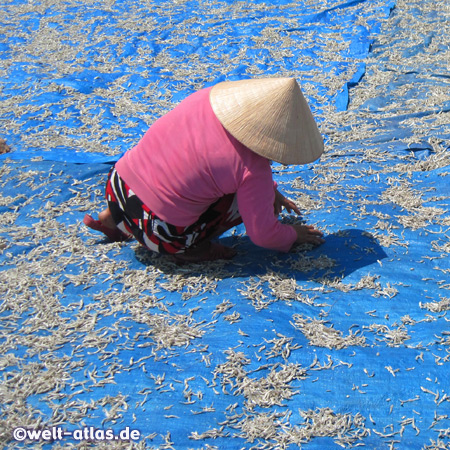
(342, 345)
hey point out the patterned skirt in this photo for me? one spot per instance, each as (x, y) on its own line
(133, 217)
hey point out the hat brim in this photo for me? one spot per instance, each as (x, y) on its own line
(270, 116)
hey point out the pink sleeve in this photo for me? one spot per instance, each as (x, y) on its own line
(255, 197)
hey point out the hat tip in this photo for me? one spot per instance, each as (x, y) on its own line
(270, 116)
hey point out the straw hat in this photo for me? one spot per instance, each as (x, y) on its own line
(270, 116)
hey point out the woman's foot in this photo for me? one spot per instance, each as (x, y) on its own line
(106, 225)
(210, 251)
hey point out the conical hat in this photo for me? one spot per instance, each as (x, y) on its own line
(270, 116)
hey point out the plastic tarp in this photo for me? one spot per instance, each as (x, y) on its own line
(337, 346)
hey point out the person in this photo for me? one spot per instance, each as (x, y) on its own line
(205, 167)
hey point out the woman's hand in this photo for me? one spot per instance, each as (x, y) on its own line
(307, 234)
(282, 202)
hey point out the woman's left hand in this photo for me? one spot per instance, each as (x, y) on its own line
(282, 202)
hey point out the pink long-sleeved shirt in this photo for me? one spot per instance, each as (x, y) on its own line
(186, 161)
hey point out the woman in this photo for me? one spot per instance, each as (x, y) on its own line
(205, 167)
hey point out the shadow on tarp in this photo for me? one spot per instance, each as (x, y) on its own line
(351, 249)
(343, 253)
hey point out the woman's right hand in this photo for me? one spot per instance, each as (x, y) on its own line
(307, 234)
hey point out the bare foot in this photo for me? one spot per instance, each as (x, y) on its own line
(106, 219)
(209, 251)
(106, 225)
